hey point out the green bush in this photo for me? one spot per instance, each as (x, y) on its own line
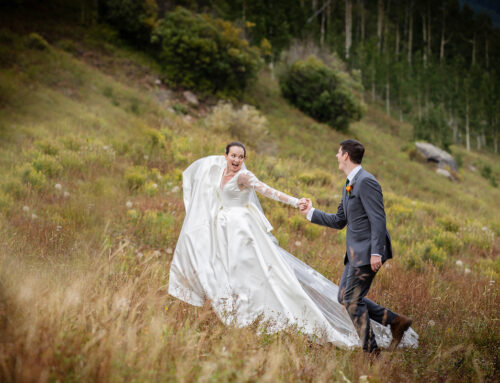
(198, 51)
(134, 19)
(35, 178)
(321, 92)
(136, 177)
(47, 147)
(35, 41)
(48, 165)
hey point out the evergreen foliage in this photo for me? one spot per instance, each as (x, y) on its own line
(319, 91)
(134, 19)
(198, 51)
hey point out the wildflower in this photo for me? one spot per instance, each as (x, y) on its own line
(26, 209)
(129, 204)
(175, 189)
(484, 228)
(169, 250)
(146, 157)
(105, 147)
(34, 216)
(459, 263)
(364, 379)
(58, 186)
(492, 282)
(66, 194)
(298, 243)
(156, 254)
(166, 308)
(431, 323)
(154, 186)
(140, 255)
(58, 227)
(467, 270)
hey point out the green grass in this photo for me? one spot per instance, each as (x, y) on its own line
(84, 265)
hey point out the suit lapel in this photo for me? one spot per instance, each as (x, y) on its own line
(353, 184)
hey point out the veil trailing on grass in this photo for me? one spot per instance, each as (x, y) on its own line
(196, 273)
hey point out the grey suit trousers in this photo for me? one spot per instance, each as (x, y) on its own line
(353, 287)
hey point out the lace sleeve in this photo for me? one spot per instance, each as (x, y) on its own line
(247, 179)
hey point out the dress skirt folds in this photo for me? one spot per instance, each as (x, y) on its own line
(226, 254)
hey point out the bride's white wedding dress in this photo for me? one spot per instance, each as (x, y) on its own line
(226, 254)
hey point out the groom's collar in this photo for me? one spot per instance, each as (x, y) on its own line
(353, 173)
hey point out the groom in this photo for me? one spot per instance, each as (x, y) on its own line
(368, 245)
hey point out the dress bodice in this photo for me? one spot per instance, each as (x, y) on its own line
(231, 195)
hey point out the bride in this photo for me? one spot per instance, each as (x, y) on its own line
(226, 254)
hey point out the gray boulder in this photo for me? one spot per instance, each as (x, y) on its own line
(191, 98)
(436, 155)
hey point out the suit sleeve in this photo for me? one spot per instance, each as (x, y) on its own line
(335, 221)
(372, 199)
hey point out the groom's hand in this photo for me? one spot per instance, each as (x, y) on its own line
(305, 204)
(375, 262)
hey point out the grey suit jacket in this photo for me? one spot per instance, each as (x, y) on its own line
(362, 210)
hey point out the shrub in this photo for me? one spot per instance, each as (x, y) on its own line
(245, 124)
(47, 147)
(48, 165)
(71, 143)
(32, 177)
(321, 92)
(198, 51)
(134, 19)
(180, 108)
(35, 41)
(68, 46)
(136, 177)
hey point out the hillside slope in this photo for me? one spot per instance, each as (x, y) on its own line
(91, 153)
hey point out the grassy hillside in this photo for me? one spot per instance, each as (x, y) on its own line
(91, 154)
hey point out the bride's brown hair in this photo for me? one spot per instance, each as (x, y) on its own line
(236, 143)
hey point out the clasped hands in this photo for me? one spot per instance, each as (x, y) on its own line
(305, 204)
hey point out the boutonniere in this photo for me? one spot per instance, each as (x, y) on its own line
(348, 188)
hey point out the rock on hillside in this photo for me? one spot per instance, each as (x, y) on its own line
(434, 154)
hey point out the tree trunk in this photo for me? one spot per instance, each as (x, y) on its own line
(424, 38)
(478, 141)
(495, 144)
(348, 27)
(410, 32)
(373, 87)
(387, 97)
(363, 16)
(429, 31)
(467, 130)
(380, 23)
(474, 49)
(386, 26)
(323, 19)
(443, 30)
(486, 53)
(396, 50)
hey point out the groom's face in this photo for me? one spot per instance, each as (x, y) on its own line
(341, 158)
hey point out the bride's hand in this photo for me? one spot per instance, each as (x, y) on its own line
(305, 204)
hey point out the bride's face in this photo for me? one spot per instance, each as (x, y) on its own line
(235, 158)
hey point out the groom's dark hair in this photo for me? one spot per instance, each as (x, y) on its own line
(354, 148)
